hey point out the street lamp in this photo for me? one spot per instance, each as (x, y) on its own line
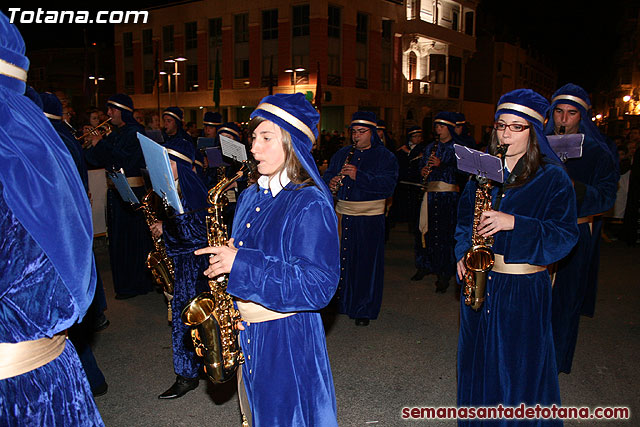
(95, 81)
(295, 75)
(174, 61)
(164, 73)
(626, 98)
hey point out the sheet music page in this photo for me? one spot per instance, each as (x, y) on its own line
(233, 149)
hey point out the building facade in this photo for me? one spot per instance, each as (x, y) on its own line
(404, 60)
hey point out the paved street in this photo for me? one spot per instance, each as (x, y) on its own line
(405, 358)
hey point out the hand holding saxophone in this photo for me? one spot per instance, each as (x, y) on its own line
(493, 221)
(156, 229)
(220, 259)
(462, 269)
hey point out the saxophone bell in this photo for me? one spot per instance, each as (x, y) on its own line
(212, 315)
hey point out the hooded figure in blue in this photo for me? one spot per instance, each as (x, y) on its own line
(211, 122)
(362, 184)
(433, 243)
(129, 238)
(595, 179)
(232, 131)
(47, 273)
(172, 118)
(182, 235)
(81, 334)
(52, 108)
(505, 350)
(406, 198)
(284, 266)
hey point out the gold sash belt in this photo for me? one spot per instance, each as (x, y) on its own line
(255, 313)
(368, 208)
(22, 357)
(134, 181)
(585, 219)
(501, 267)
(441, 187)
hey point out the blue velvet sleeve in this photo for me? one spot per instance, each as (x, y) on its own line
(120, 149)
(381, 182)
(548, 235)
(185, 233)
(600, 195)
(305, 277)
(464, 227)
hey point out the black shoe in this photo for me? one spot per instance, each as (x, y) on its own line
(362, 322)
(101, 323)
(419, 274)
(441, 287)
(101, 390)
(180, 387)
(125, 296)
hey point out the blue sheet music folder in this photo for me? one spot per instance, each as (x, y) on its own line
(159, 167)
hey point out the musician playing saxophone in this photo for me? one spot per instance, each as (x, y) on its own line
(283, 265)
(437, 220)
(505, 352)
(183, 234)
(367, 179)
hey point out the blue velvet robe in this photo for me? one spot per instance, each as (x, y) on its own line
(596, 183)
(287, 261)
(129, 237)
(505, 350)
(182, 235)
(362, 246)
(437, 257)
(34, 303)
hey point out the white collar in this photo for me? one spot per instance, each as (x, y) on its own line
(276, 183)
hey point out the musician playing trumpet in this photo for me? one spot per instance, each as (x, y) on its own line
(505, 351)
(129, 239)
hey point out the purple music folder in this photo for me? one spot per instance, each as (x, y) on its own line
(214, 157)
(478, 163)
(567, 146)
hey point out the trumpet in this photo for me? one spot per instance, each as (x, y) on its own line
(103, 129)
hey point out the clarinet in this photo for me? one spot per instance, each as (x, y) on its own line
(335, 190)
(430, 168)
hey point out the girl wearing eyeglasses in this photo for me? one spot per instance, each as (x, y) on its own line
(505, 350)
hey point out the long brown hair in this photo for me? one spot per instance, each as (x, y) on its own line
(296, 173)
(532, 158)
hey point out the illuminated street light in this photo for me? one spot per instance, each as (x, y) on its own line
(626, 98)
(174, 61)
(95, 81)
(295, 75)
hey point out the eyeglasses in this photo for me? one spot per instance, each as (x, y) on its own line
(513, 127)
(359, 131)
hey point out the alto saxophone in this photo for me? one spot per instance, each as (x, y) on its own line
(212, 315)
(480, 258)
(158, 261)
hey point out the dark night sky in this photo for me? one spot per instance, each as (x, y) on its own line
(579, 36)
